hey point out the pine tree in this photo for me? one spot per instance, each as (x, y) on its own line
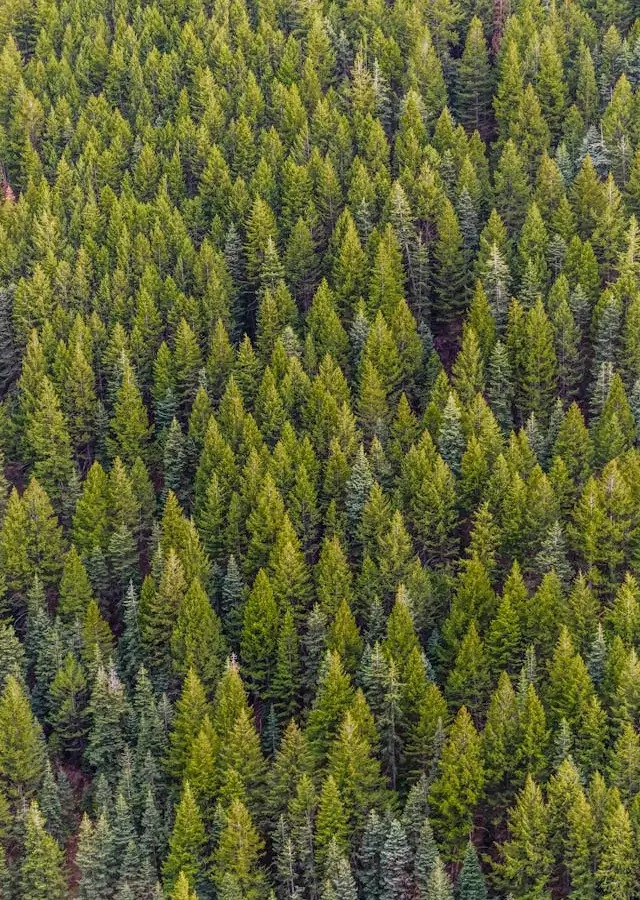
(468, 370)
(48, 437)
(232, 600)
(369, 858)
(50, 803)
(191, 709)
(108, 711)
(439, 886)
(75, 588)
(451, 437)
(181, 889)
(30, 542)
(468, 681)
(511, 188)
(540, 363)
(500, 386)
(339, 883)
(93, 858)
(331, 826)
(473, 91)
(68, 715)
(157, 613)
(550, 83)
(358, 486)
(449, 274)
(615, 875)
(129, 425)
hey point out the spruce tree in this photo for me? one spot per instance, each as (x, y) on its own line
(197, 640)
(439, 886)
(473, 90)
(395, 859)
(471, 883)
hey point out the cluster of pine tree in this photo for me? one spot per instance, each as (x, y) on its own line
(320, 436)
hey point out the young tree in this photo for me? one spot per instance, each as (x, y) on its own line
(471, 883)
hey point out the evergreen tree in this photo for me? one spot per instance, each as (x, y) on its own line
(615, 876)
(474, 81)
(197, 641)
(41, 873)
(129, 425)
(238, 853)
(471, 883)
(459, 784)
(395, 864)
(186, 844)
(439, 885)
(527, 858)
(22, 749)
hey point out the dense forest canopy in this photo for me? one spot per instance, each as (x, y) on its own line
(320, 436)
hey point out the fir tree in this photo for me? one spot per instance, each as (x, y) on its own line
(456, 790)
(439, 886)
(186, 844)
(22, 749)
(41, 873)
(471, 883)
(395, 860)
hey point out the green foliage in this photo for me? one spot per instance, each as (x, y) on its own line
(319, 450)
(42, 872)
(22, 748)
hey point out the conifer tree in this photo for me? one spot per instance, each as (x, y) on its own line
(458, 786)
(474, 81)
(238, 853)
(22, 749)
(68, 716)
(181, 889)
(157, 614)
(615, 875)
(527, 858)
(395, 864)
(130, 425)
(186, 844)
(471, 883)
(449, 275)
(108, 711)
(197, 640)
(191, 709)
(439, 885)
(41, 873)
(49, 442)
